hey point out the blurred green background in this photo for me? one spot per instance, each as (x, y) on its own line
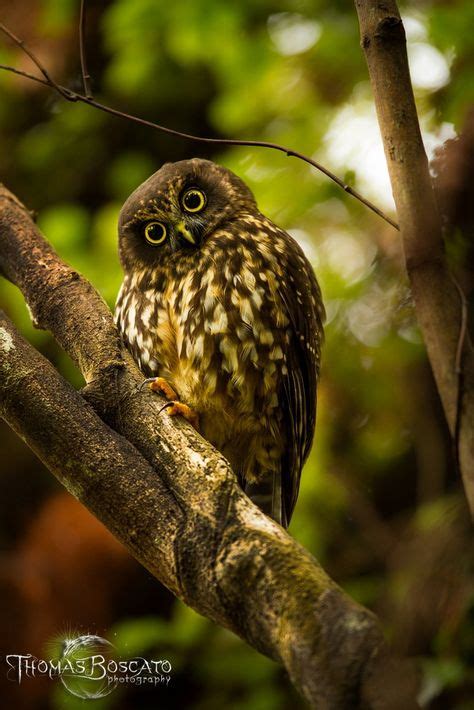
(380, 505)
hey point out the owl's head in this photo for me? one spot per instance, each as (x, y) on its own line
(175, 211)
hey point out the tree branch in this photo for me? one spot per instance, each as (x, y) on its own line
(170, 497)
(97, 465)
(439, 306)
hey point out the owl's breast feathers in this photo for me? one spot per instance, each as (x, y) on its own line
(236, 327)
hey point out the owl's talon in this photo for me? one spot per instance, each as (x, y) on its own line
(159, 384)
(175, 408)
(148, 381)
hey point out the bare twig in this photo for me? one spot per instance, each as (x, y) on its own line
(65, 93)
(460, 349)
(86, 79)
(25, 74)
(70, 95)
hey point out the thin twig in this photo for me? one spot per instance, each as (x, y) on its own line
(48, 79)
(86, 79)
(25, 74)
(74, 96)
(459, 369)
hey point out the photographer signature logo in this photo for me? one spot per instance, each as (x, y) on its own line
(87, 668)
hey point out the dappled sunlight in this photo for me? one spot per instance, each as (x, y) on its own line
(347, 255)
(353, 142)
(428, 67)
(292, 33)
(369, 317)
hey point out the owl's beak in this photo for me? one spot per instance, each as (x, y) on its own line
(184, 232)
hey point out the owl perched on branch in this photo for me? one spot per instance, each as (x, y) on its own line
(222, 309)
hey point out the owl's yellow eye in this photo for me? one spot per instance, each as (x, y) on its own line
(193, 200)
(155, 233)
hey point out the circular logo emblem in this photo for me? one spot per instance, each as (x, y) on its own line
(84, 660)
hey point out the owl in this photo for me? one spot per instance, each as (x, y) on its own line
(222, 312)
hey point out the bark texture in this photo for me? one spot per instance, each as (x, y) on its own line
(437, 299)
(170, 497)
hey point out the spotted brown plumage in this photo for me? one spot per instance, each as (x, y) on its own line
(223, 304)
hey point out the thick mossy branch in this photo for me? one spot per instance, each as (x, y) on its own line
(436, 296)
(169, 496)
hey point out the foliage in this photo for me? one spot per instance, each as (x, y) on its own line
(380, 477)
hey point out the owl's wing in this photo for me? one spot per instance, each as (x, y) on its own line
(301, 297)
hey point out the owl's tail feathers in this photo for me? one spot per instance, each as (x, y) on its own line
(268, 496)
